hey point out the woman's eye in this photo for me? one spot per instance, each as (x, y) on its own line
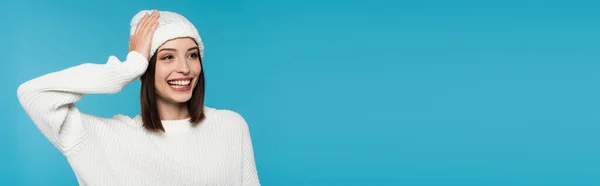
(167, 57)
(194, 55)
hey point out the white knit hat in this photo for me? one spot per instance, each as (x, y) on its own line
(170, 26)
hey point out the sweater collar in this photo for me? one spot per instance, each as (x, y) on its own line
(177, 126)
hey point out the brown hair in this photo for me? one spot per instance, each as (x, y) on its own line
(148, 95)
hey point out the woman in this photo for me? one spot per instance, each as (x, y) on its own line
(176, 140)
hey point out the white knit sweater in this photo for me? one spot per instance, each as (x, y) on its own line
(118, 150)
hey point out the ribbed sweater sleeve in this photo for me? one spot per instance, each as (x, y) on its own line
(249, 170)
(49, 99)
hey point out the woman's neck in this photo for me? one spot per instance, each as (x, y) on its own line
(172, 111)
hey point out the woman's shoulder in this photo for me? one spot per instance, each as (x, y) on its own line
(225, 117)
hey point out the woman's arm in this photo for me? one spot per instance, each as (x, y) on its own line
(49, 99)
(249, 171)
(250, 175)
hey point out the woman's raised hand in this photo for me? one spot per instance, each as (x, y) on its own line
(141, 40)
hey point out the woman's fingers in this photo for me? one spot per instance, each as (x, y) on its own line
(149, 25)
(138, 28)
(142, 39)
(146, 23)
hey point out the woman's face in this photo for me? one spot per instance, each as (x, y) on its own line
(177, 70)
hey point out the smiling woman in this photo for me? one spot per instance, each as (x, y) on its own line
(176, 140)
(167, 84)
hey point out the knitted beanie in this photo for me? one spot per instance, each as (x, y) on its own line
(170, 26)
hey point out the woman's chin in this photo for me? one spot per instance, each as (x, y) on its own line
(176, 96)
(180, 98)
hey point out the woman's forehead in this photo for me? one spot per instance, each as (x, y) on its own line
(179, 44)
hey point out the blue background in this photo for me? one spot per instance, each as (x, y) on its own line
(348, 92)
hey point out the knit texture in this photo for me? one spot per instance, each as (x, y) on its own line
(171, 25)
(118, 150)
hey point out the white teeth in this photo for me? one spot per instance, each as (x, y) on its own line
(180, 82)
(178, 86)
